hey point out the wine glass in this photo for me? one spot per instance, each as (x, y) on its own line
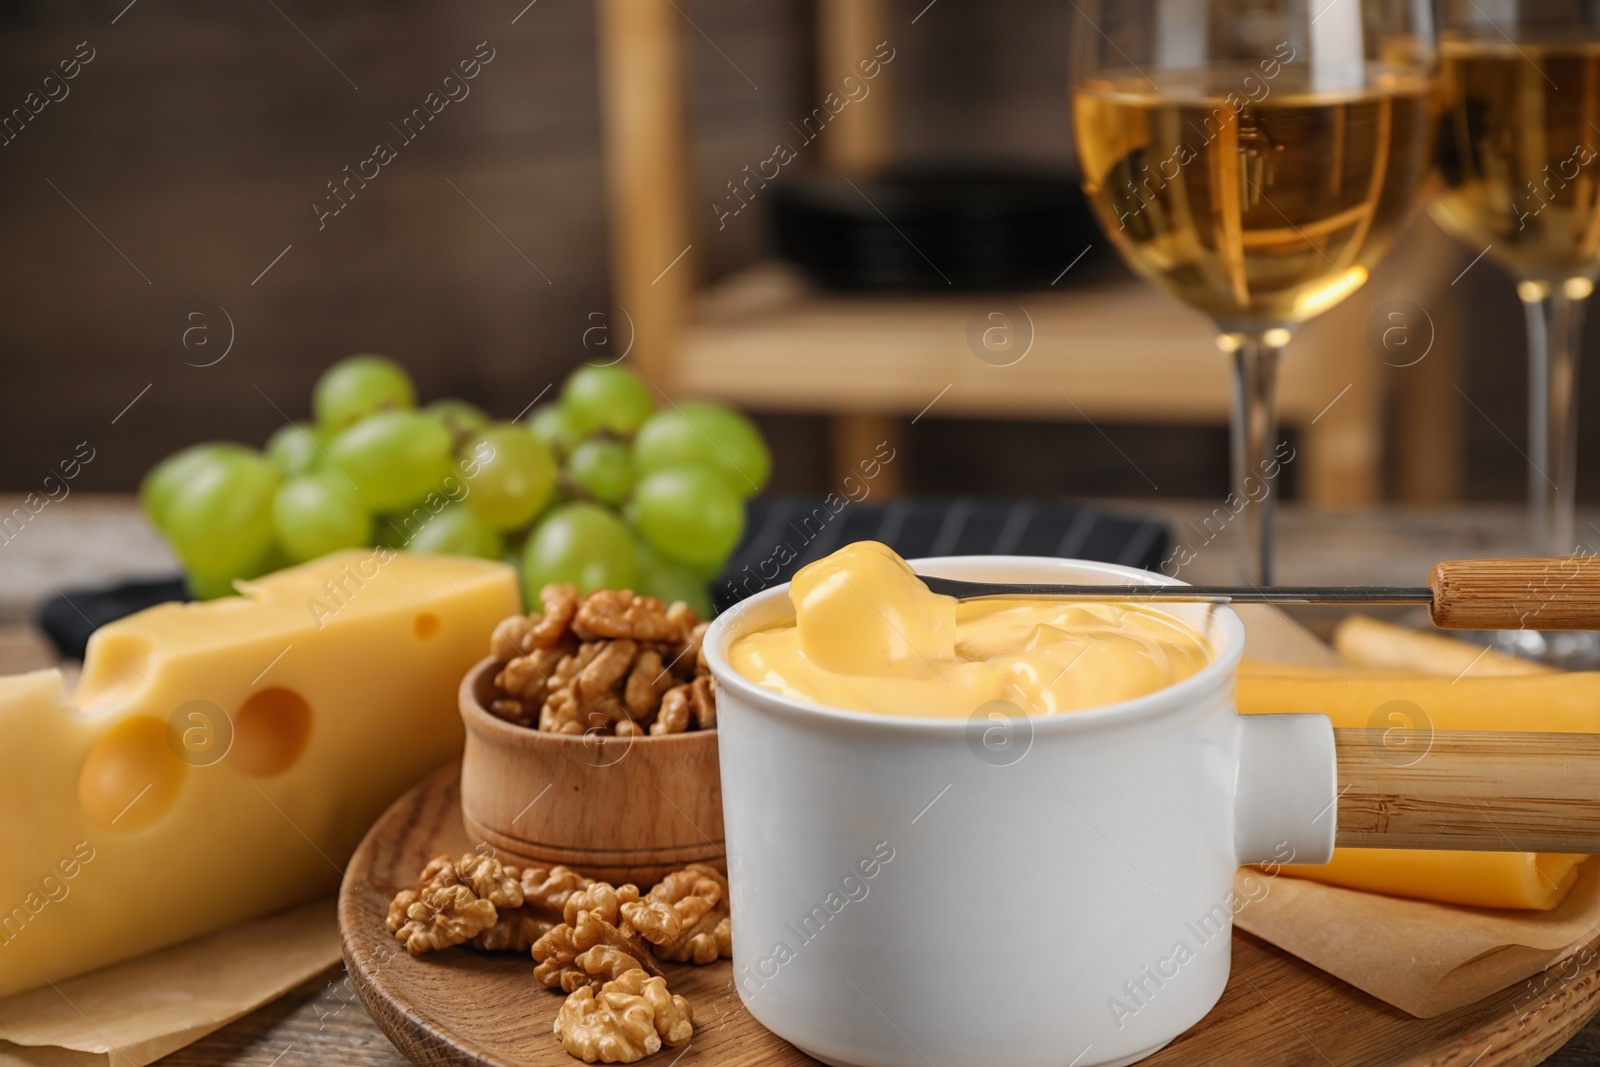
(1255, 158)
(1519, 165)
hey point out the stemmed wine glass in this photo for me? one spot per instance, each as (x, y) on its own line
(1519, 162)
(1255, 158)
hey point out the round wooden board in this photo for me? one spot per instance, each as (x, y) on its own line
(472, 1009)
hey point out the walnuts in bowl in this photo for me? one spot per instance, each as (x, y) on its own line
(609, 663)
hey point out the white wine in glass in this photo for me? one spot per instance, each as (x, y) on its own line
(1255, 159)
(1519, 162)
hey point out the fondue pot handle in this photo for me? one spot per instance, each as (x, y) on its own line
(1478, 791)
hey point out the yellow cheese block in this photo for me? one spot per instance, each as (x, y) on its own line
(225, 758)
(1367, 642)
(1257, 668)
(1480, 879)
(1545, 703)
(1549, 703)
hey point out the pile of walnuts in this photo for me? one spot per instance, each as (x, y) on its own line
(611, 663)
(600, 944)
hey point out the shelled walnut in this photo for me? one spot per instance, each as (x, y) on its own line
(594, 942)
(478, 899)
(612, 663)
(685, 916)
(625, 1020)
(544, 898)
(446, 908)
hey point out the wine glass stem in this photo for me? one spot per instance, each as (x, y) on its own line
(1255, 461)
(1555, 330)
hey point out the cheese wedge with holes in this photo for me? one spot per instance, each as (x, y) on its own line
(222, 760)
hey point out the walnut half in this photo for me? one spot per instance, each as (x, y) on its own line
(453, 902)
(627, 1019)
(594, 943)
(427, 922)
(543, 901)
(686, 707)
(619, 613)
(685, 916)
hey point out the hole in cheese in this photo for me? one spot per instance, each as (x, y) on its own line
(130, 778)
(270, 731)
(426, 625)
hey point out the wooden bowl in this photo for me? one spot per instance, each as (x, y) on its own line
(622, 809)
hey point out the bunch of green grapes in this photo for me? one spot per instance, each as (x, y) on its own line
(596, 489)
(650, 500)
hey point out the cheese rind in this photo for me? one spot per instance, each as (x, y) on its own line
(1354, 699)
(225, 758)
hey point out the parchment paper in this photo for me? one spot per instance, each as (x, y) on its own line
(133, 1013)
(1423, 958)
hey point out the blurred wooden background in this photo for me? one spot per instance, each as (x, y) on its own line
(188, 153)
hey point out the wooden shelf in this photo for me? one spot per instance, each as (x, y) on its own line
(1120, 352)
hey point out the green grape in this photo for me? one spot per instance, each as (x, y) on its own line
(394, 458)
(463, 420)
(456, 531)
(358, 386)
(711, 435)
(219, 521)
(212, 586)
(688, 514)
(392, 531)
(550, 424)
(509, 475)
(204, 588)
(177, 470)
(583, 544)
(605, 398)
(660, 577)
(315, 514)
(294, 449)
(603, 469)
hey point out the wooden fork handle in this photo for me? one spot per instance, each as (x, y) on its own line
(1477, 791)
(1541, 593)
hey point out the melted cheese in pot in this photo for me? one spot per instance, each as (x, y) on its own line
(869, 636)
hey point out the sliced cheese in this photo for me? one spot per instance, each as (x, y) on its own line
(1548, 703)
(224, 759)
(1527, 880)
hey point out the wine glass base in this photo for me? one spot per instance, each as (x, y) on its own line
(1572, 650)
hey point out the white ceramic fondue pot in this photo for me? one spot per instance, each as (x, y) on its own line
(1050, 891)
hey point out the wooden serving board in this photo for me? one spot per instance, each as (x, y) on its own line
(473, 1009)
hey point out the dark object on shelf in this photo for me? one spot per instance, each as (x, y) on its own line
(801, 529)
(920, 228)
(69, 618)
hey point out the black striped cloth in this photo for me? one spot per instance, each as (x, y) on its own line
(783, 534)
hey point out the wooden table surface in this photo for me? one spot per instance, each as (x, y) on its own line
(94, 540)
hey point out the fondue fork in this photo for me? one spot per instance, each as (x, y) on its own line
(1541, 593)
